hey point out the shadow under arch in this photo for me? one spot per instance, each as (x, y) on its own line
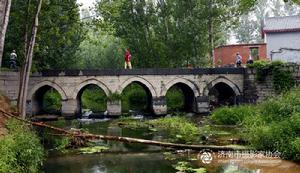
(188, 83)
(188, 89)
(46, 100)
(147, 87)
(47, 83)
(222, 91)
(91, 95)
(88, 82)
(35, 97)
(143, 82)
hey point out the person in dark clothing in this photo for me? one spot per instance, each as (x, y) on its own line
(238, 59)
(13, 60)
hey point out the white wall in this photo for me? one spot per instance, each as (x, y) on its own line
(276, 41)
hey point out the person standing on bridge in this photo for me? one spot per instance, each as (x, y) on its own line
(128, 59)
(238, 58)
(13, 60)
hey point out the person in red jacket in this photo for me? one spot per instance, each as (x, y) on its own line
(127, 59)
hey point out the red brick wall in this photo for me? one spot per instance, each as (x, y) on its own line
(225, 55)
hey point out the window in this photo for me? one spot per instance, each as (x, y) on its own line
(254, 53)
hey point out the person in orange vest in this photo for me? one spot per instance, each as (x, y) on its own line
(128, 60)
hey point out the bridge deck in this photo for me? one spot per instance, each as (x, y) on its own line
(120, 72)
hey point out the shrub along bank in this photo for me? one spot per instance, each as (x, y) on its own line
(20, 149)
(272, 125)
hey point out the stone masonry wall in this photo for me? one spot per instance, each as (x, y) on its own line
(9, 84)
(255, 92)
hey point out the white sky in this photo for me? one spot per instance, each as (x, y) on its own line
(86, 3)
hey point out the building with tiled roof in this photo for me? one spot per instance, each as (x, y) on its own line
(282, 35)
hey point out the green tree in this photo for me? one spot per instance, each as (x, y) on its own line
(249, 28)
(4, 18)
(60, 33)
(100, 50)
(169, 33)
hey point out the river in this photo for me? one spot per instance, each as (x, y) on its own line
(136, 158)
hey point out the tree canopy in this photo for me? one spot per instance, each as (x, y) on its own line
(170, 33)
(159, 33)
(59, 36)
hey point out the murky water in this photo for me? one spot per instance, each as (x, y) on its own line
(136, 158)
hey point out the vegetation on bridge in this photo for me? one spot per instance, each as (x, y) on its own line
(282, 77)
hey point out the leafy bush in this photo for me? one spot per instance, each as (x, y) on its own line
(294, 150)
(20, 150)
(180, 129)
(277, 125)
(52, 102)
(282, 136)
(282, 77)
(114, 97)
(262, 69)
(281, 107)
(232, 115)
(94, 98)
(272, 125)
(134, 97)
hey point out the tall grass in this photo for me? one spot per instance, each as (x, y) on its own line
(272, 125)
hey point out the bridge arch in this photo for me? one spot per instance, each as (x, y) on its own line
(90, 82)
(190, 84)
(145, 102)
(224, 80)
(36, 98)
(47, 83)
(189, 92)
(146, 84)
(222, 91)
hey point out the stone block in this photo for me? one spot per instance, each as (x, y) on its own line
(114, 108)
(160, 110)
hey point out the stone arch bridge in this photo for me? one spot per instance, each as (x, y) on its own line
(196, 84)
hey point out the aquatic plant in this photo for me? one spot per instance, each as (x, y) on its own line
(185, 167)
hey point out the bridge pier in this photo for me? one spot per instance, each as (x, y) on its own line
(29, 108)
(69, 107)
(114, 108)
(202, 103)
(159, 106)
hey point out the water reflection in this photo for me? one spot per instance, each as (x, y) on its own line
(109, 163)
(135, 158)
